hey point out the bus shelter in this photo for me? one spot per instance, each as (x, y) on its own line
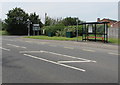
(95, 31)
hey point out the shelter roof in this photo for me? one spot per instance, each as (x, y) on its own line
(93, 23)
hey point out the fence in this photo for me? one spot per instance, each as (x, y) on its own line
(113, 32)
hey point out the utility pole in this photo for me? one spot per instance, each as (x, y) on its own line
(28, 21)
(45, 17)
(77, 30)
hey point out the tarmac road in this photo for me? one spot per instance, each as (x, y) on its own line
(47, 61)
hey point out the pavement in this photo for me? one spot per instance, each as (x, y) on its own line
(49, 61)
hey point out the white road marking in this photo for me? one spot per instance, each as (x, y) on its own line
(57, 55)
(72, 61)
(42, 43)
(55, 62)
(67, 56)
(29, 41)
(9, 40)
(69, 47)
(30, 52)
(78, 43)
(16, 46)
(114, 53)
(84, 43)
(53, 45)
(88, 50)
(4, 49)
(22, 47)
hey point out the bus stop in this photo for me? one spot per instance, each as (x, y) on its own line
(95, 31)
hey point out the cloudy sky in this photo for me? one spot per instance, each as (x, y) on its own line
(86, 11)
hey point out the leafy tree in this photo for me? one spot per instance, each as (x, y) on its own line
(51, 21)
(16, 21)
(0, 24)
(4, 26)
(57, 27)
(68, 21)
(73, 29)
(35, 19)
(54, 28)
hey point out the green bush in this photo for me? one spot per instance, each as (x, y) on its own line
(53, 29)
(60, 30)
(73, 29)
(61, 33)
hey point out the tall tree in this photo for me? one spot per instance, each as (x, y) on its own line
(17, 21)
(48, 21)
(0, 24)
(70, 21)
(52, 21)
(34, 18)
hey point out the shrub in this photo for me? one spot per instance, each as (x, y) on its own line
(60, 30)
(53, 29)
(73, 29)
(61, 33)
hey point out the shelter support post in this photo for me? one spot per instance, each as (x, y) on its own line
(95, 32)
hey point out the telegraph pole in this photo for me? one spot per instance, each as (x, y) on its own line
(77, 29)
(45, 17)
(28, 21)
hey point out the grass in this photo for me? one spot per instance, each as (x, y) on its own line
(111, 40)
(3, 33)
(54, 38)
(114, 40)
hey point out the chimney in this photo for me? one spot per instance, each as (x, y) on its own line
(98, 20)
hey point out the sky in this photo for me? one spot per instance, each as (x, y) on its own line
(86, 11)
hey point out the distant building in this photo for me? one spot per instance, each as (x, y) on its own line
(114, 26)
(111, 22)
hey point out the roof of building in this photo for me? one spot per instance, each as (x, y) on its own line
(109, 19)
(116, 24)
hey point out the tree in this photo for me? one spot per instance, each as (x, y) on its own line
(35, 19)
(49, 21)
(17, 21)
(0, 24)
(54, 28)
(52, 21)
(68, 21)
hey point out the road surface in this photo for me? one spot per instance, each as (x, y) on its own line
(47, 61)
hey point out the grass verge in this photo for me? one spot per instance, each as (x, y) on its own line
(54, 38)
(111, 40)
(114, 40)
(3, 33)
